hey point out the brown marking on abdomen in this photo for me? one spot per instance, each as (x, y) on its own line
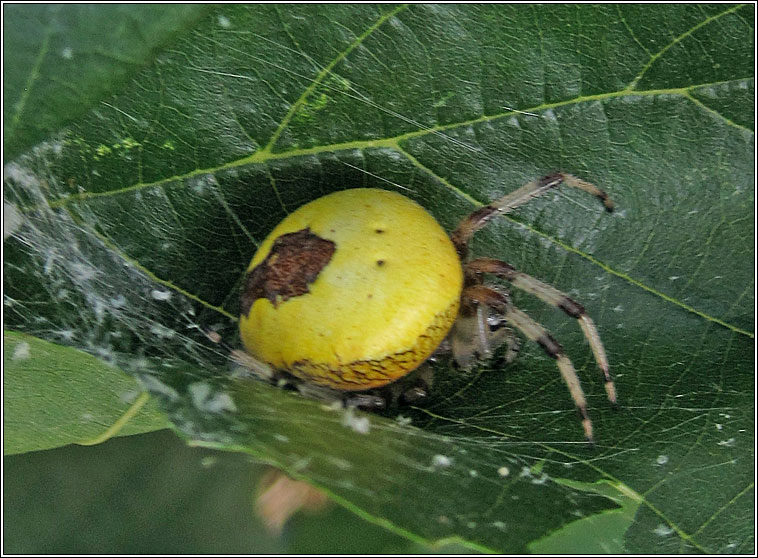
(294, 262)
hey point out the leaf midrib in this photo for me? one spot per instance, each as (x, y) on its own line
(266, 154)
(264, 157)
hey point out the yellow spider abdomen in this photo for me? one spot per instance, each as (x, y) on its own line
(351, 291)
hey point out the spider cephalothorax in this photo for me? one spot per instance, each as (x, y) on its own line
(357, 289)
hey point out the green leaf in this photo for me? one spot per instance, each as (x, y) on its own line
(194, 501)
(138, 220)
(66, 59)
(600, 534)
(56, 395)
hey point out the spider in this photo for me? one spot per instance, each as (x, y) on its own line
(357, 289)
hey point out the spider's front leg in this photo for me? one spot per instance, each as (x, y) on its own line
(479, 218)
(482, 295)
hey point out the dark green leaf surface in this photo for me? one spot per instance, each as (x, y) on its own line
(157, 201)
(60, 61)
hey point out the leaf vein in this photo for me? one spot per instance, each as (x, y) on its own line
(676, 41)
(33, 76)
(588, 257)
(324, 73)
(119, 423)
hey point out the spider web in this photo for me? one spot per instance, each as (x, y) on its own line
(96, 300)
(133, 275)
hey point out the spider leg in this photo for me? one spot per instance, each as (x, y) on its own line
(420, 386)
(471, 337)
(508, 336)
(475, 336)
(481, 294)
(257, 367)
(249, 363)
(551, 295)
(409, 390)
(479, 218)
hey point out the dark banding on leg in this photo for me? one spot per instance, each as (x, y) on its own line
(481, 294)
(551, 295)
(480, 217)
